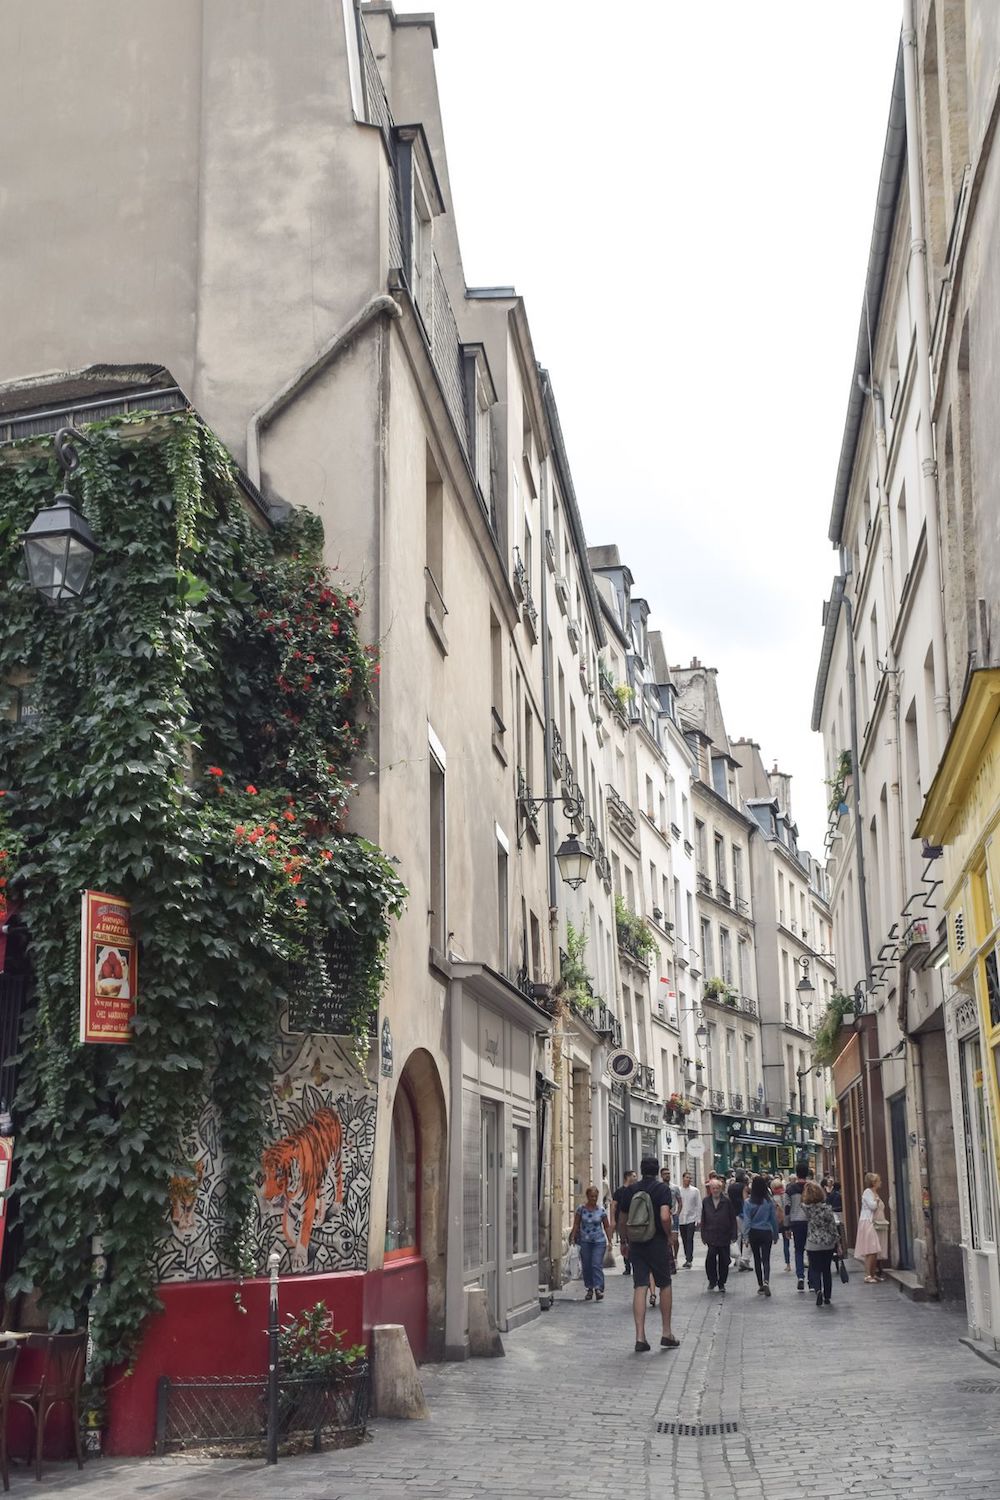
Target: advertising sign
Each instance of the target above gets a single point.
(108, 969)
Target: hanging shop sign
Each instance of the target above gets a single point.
(108, 969)
(623, 1065)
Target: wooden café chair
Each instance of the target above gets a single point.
(8, 1359)
(61, 1379)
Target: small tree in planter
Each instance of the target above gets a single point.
(718, 989)
(323, 1382)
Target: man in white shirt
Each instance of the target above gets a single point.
(690, 1215)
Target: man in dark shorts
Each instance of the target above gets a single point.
(618, 1219)
(651, 1257)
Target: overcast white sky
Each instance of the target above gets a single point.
(683, 193)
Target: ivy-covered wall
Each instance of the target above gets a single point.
(195, 729)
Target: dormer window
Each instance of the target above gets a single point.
(480, 398)
(421, 202)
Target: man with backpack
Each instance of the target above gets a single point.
(796, 1221)
(647, 1210)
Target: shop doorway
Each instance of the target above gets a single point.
(489, 1147)
(901, 1175)
(417, 1173)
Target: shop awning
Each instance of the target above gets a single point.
(762, 1140)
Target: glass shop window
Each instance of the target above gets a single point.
(401, 1207)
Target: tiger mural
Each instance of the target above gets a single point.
(182, 1192)
(295, 1170)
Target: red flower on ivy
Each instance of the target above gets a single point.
(289, 816)
(326, 853)
(215, 771)
(251, 791)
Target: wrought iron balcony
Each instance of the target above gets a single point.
(736, 1103)
(519, 577)
(716, 1101)
(619, 811)
(558, 753)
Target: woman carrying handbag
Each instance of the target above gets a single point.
(868, 1245)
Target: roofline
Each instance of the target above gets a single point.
(570, 505)
(830, 622)
(889, 184)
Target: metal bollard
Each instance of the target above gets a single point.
(272, 1361)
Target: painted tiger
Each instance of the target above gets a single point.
(295, 1171)
(183, 1196)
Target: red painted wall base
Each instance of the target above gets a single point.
(201, 1331)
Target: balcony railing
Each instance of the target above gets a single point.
(558, 753)
(607, 1023)
(716, 1100)
(736, 1104)
(619, 811)
(645, 1079)
(519, 578)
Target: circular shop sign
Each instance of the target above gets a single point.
(623, 1066)
(696, 1147)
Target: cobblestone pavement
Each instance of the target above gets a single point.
(862, 1399)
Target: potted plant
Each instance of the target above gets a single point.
(324, 1383)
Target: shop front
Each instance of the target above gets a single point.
(860, 1113)
(759, 1145)
(960, 822)
(492, 1178)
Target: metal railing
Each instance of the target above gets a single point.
(619, 810)
(231, 1412)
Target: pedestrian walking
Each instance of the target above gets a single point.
(868, 1245)
(718, 1230)
(675, 1209)
(737, 1190)
(690, 1213)
(646, 1208)
(592, 1232)
(618, 1223)
(795, 1218)
(778, 1190)
(822, 1236)
(761, 1219)
(605, 1188)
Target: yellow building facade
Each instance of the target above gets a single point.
(961, 816)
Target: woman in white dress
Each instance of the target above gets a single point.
(867, 1245)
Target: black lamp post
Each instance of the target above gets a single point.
(59, 546)
(574, 859)
(574, 855)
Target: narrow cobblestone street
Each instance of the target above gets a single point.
(572, 1410)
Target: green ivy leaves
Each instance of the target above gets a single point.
(202, 643)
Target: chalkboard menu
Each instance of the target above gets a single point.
(322, 989)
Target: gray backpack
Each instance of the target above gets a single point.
(641, 1218)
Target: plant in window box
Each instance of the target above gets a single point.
(718, 989)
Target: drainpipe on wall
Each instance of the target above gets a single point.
(840, 587)
(891, 666)
(928, 464)
(547, 1156)
(916, 1092)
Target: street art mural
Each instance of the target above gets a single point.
(312, 1203)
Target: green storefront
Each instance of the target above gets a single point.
(753, 1144)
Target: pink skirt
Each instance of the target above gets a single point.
(867, 1242)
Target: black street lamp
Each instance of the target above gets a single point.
(574, 855)
(574, 859)
(801, 1073)
(59, 546)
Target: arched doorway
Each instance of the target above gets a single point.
(416, 1191)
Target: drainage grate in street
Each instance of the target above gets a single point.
(979, 1387)
(697, 1429)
